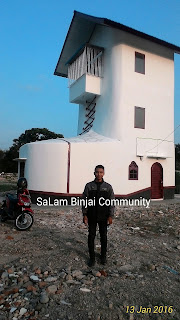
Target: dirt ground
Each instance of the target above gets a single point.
(140, 281)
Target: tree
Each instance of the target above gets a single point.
(35, 134)
(31, 135)
(177, 156)
(2, 154)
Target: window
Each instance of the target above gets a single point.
(139, 62)
(139, 118)
(133, 171)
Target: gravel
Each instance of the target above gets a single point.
(44, 272)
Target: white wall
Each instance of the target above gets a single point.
(123, 89)
(46, 165)
(84, 158)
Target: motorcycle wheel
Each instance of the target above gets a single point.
(24, 221)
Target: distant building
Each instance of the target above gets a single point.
(123, 81)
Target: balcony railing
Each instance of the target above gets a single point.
(90, 61)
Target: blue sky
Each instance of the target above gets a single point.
(32, 34)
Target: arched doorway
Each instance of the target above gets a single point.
(156, 181)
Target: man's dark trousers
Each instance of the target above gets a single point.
(92, 235)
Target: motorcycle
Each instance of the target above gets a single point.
(19, 210)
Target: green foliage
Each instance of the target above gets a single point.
(177, 156)
(2, 153)
(35, 134)
(177, 182)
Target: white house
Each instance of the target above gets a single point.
(123, 82)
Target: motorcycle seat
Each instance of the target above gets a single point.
(12, 197)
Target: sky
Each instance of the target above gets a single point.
(32, 33)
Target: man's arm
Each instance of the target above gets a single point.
(84, 208)
(111, 207)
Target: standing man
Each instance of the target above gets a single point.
(98, 191)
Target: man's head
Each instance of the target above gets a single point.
(99, 172)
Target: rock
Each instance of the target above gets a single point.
(17, 303)
(103, 273)
(126, 268)
(9, 238)
(34, 278)
(13, 309)
(69, 277)
(22, 311)
(94, 272)
(44, 298)
(135, 229)
(10, 270)
(59, 291)
(13, 275)
(42, 284)
(66, 303)
(25, 278)
(151, 267)
(4, 276)
(98, 274)
(15, 295)
(62, 275)
(73, 282)
(76, 273)
(52, 289)
(68, 243)
(15, 289)
(110, 305)
(31, 288)
(90, 314)
(51, 279)
(85, 289)
(38, 271)
(178, 247)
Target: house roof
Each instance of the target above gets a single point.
(80, 31)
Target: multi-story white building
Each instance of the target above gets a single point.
(123, 82)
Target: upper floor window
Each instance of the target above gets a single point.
(133, 171)
(139, 118)
(139, 62)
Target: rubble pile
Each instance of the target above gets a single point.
(44, 272)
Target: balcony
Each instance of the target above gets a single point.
(85, 72)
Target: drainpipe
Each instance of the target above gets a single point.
(68, 164)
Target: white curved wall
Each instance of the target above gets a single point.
(46, 165)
